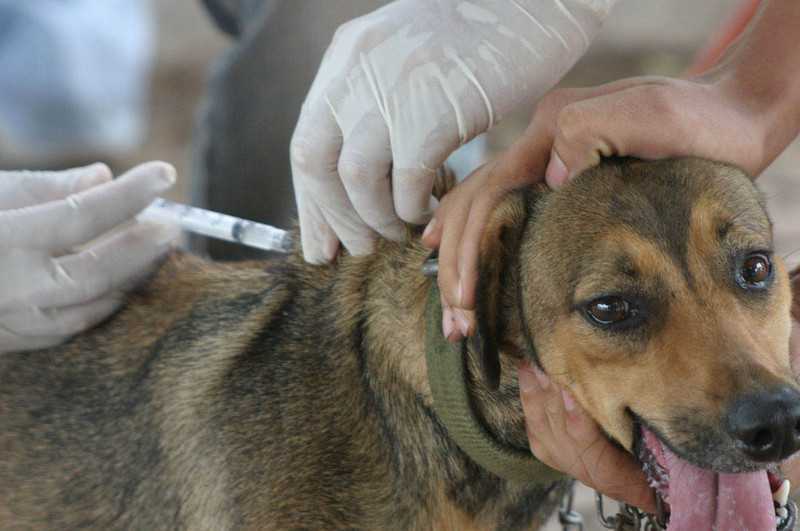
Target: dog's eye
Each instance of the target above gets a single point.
(609, 310)
(755, 271)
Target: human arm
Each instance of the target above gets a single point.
(54, 285)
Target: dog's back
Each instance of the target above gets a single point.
(109, 431)
(240, 397)
(177, 413)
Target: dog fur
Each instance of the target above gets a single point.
(281, 395)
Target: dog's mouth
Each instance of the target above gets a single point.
(698, 498)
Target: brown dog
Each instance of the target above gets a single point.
(287, 396)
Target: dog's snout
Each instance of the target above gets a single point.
(766, 425)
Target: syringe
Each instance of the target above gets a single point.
(220, 226)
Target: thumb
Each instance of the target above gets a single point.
(578, 142)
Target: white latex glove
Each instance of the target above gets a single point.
(400, 88)
(49, 288)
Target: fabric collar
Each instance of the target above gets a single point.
(447, 376)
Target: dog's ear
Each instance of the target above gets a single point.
(497, 261)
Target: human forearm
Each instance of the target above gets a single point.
(761, 75)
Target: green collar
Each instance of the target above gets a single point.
(451, 402)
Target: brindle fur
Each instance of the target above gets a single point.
(281, 395)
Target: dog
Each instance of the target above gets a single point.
(280, 395)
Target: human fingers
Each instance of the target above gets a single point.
(564, 437)
(522, 164)
(37, 328)
(652, 120)
(458, 225)
(86, 215)
(414, 170)
(365, 169)
(456, 212)
(113, 264)
(20, 189)
(326, 213)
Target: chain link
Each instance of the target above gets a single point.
(630, 518)
(570, 519)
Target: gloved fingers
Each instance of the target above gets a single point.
(114, 263)
(81, 217)
(37, 328)
(322, 201)
(320, 243)
(314, 154)
(356, 236)
(412, 187)
(365, 167)
(20, 189)
(11, 342)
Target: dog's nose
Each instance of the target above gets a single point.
(766, 424)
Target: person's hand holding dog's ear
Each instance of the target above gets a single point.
(52, 284)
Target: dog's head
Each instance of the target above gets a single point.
(651, 290)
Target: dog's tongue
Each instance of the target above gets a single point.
(702, 499)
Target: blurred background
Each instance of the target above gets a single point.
(215, 87)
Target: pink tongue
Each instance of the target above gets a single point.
(704, 500)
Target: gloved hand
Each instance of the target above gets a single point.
(400, 88)
(50, 289)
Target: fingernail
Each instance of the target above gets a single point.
(99, 170)
(447, 323)
(544, 381)
(460, 291)
(170, 175)
(429, 228)
(556, 173)
(527, 379)
(92, 175)
(569, 401)
(329, 248)
(461, 321)
(165, 173)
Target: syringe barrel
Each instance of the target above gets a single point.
(220, 226)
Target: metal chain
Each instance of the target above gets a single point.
(630, 518)
(569, 518)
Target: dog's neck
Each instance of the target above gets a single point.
(396, 299)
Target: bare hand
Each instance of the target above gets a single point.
(564, 437)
